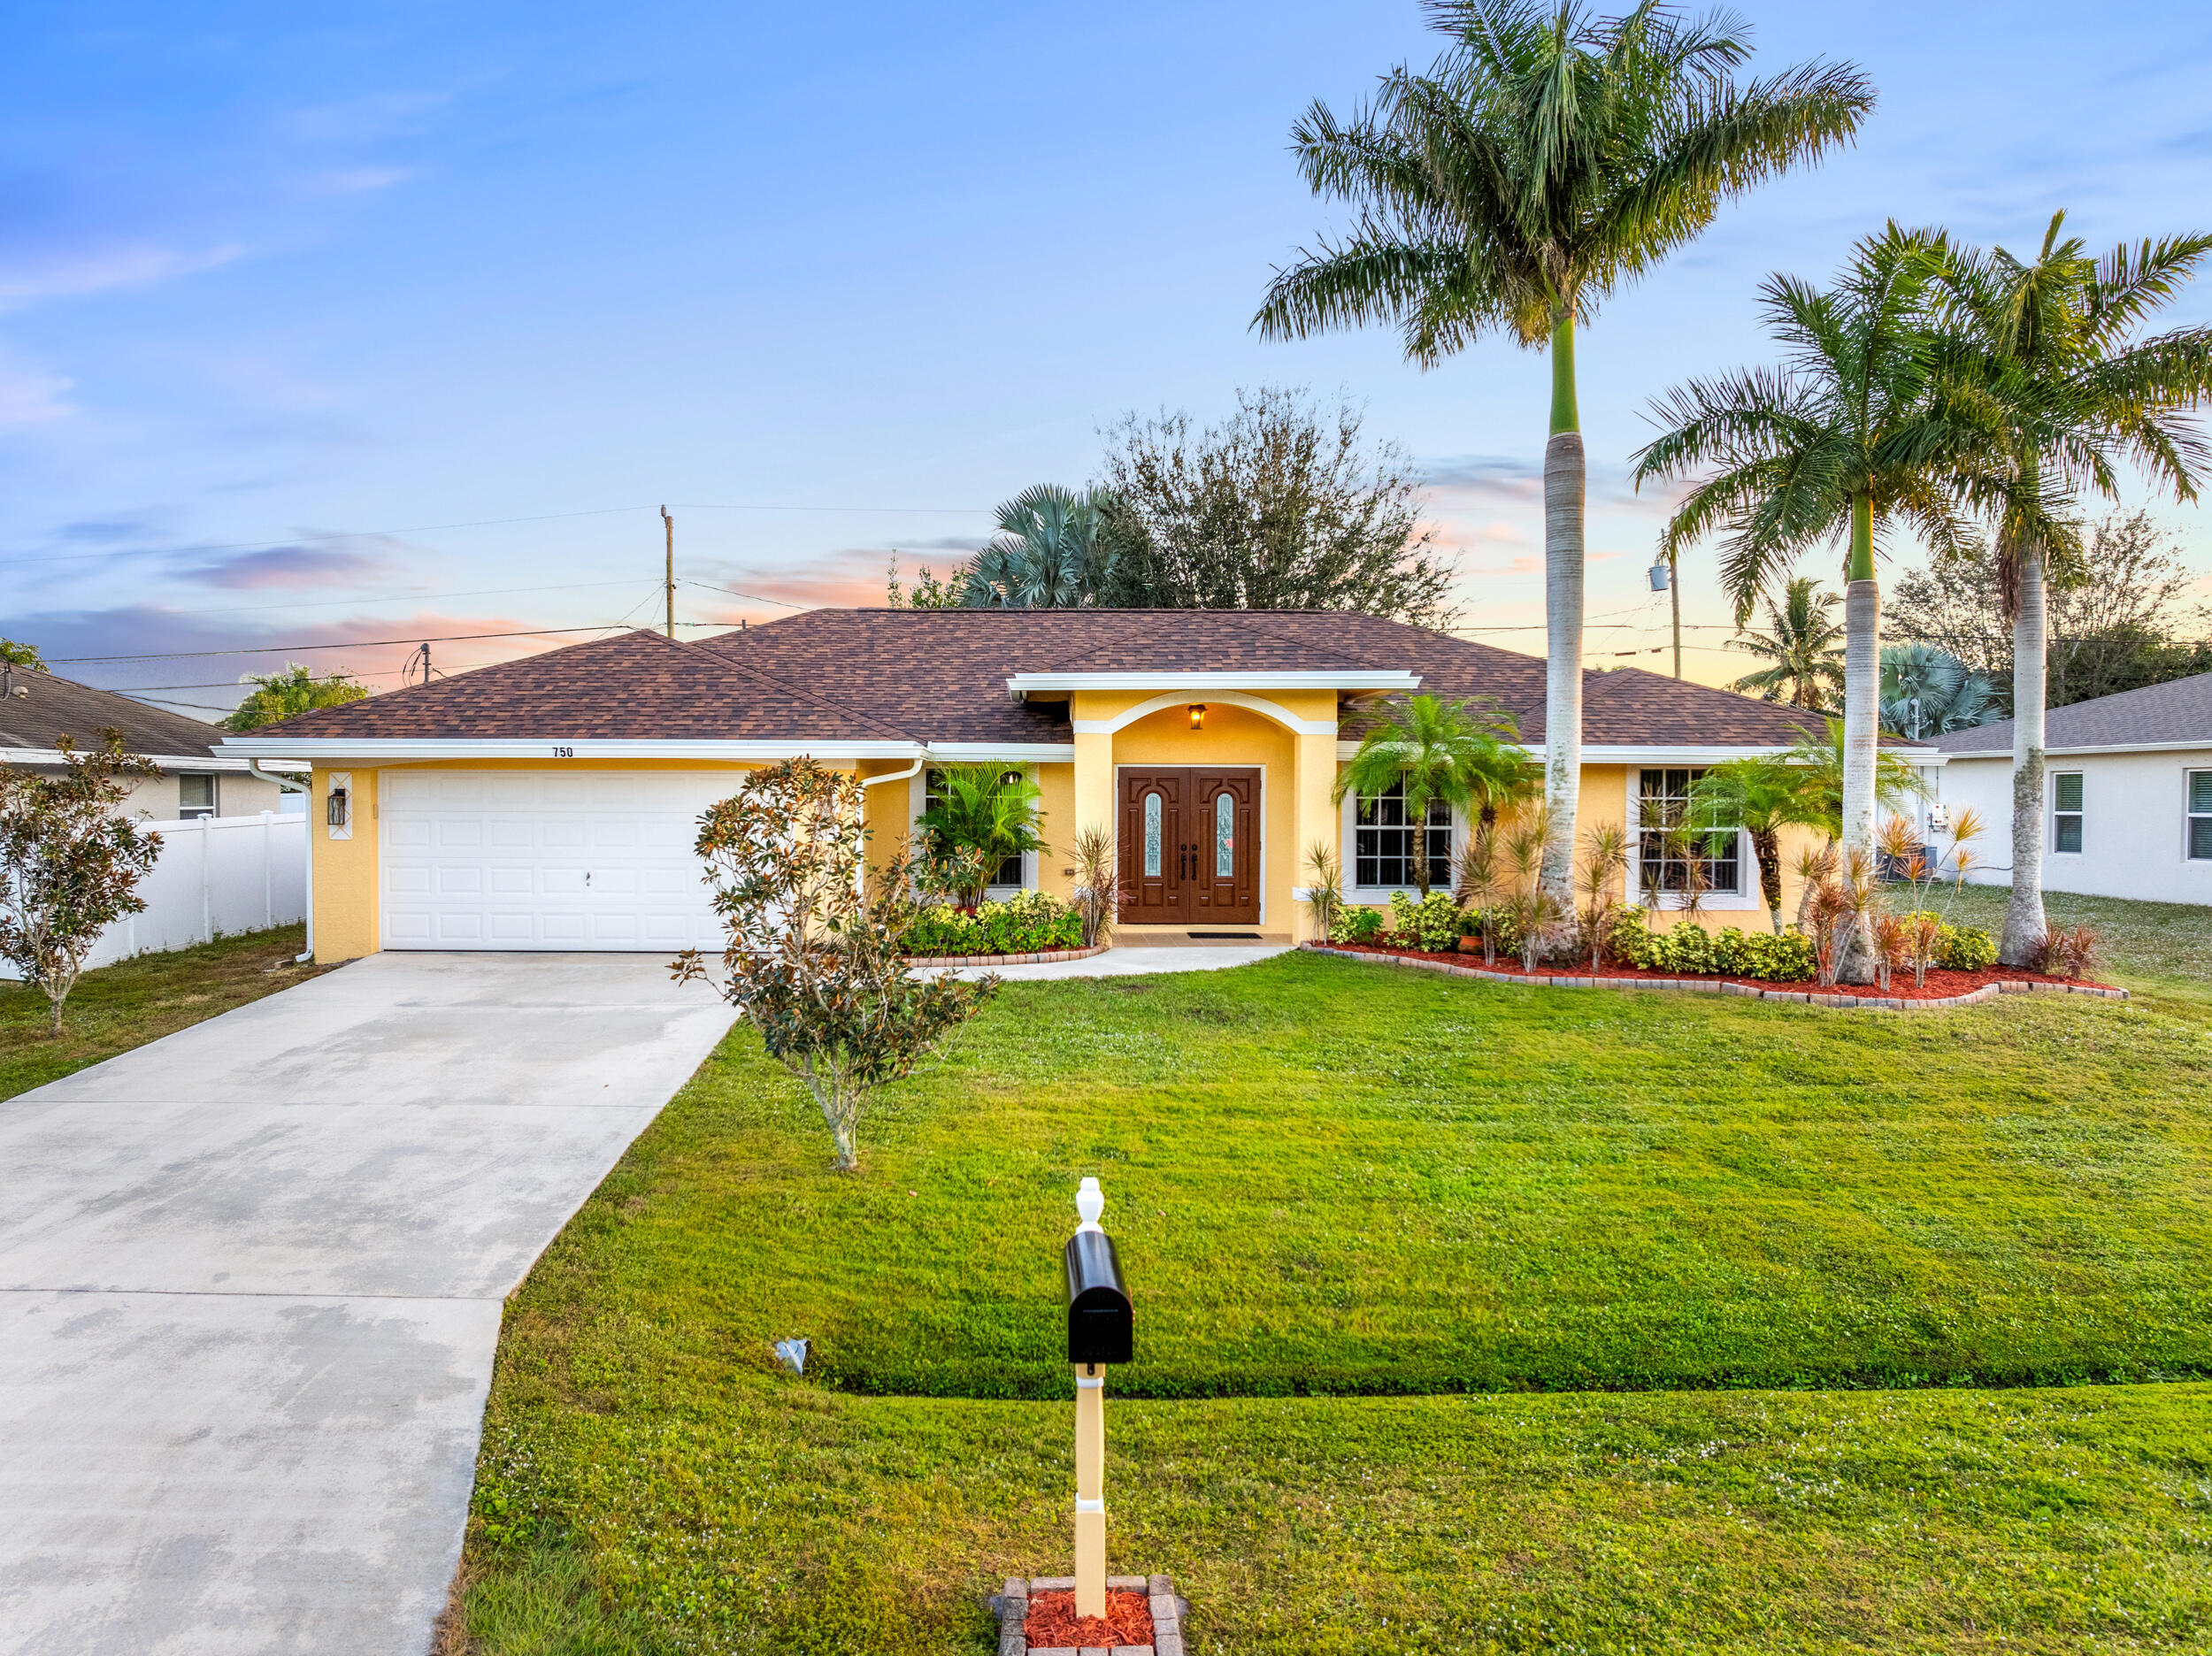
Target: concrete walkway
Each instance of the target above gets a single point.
(1140, 958)
(250, 1282)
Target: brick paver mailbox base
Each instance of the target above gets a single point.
(1167, 1613)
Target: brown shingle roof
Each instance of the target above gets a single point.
(62, 707)
(940, 675)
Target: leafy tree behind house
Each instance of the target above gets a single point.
(1548, 159)
(2118, 620)
(1802, 648)
(278, 696)
(1279, 507)
(814, 958)
(15, 654)
(70, 861)
(1928, 692)
(1051, 552)
(928, 592)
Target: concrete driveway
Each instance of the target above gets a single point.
(250, 1282)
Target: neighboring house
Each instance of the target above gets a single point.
(550, 803)
(2127, 793)
(37, 708)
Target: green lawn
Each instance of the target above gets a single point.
(1327, 1177)
(116, 1008)
(2161, 949)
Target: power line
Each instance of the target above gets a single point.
(286, 650)
(393, 597)
(732, 591)
(474, 523)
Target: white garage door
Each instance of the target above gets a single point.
(546, 858)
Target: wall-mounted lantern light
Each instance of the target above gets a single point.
(336, 808)
(1198, 716)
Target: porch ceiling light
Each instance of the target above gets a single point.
(1198, 716)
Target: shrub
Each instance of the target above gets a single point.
(1357, 925)
(1965, 948)
(1764, 957)
(814, 955)
(1499, 926)
(1687, 947)
(1030, 922)
(1432, 924)
(2069, 951)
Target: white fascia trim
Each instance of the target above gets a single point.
(1689, 754)
(2088, 752)
(1012, 753)
(365, 751)
(167, 761)
(1377, 680)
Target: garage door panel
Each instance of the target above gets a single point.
(546, 860)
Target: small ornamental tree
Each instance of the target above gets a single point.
(69, 863)
(813, 959)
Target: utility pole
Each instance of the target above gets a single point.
(670, 577)
(1674, 591)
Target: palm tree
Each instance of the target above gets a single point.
(1926, 691)
(1762, 796)
(1824, 776)
(1445, 753)
(1048, 553)
(986, 811)
(1800, 648)
(1546, 159)
(1849, 437)
(2053, 345)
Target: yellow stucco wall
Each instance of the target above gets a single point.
(1299, 770)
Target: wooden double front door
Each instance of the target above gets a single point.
(1190, 846)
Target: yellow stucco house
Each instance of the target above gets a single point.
(550, 803)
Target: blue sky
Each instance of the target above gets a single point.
(298, 304)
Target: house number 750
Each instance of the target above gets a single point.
(564, 753)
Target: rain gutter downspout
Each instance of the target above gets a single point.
(921, 758)
(293, 785)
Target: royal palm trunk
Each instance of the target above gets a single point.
(1861, 709)
(2024, 922)
(1563, 486)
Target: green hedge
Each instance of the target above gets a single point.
(1030, 923)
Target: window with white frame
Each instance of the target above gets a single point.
(2066, 811)
(195, 795)
(1009, 872)
(1663, 851)
(1386, 843)
(2200, 823)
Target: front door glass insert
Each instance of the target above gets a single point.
(1152, 836)
(1224, 836)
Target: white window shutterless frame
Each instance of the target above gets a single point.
(2067, 813)
(2197, 826)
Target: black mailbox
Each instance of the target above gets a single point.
(1100, 1329)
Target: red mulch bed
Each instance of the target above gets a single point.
(1941, 984)
(1053, 1623)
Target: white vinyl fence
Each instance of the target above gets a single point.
(216, 876)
